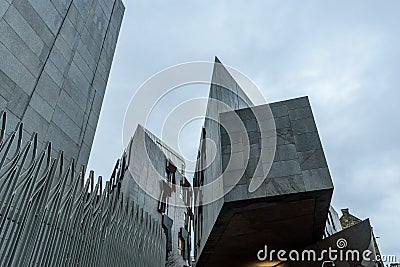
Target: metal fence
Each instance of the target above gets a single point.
(50, 217)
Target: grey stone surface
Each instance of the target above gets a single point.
(97, 103)
(238, 192)
(261, 191)
(41, 106)
(300, 113)
(18, 48)
(285, 185)
(35, 21)
(15, 70)
(286, 152)
(40, 126)
(284, 136)
(93, 119)
(89, 136)
(99, 83)
(297, 103)
(302, 126)
(284, 168)
(48, 89)
(25, 31)
(61, 141)
(267, 125)
(255, 150)
(63, 47)
(75, 17)
(69, 33)
(279, 110)
(254, 137)
(70, 108)
(83, 151)
(317, 179)
(251, 125)
(3, 103)
(51, 70)
(12, 121)
(3, 7)
(251, 168)
(83, 8)
(307, 141)
(18, 102)
(48, 13)
(7, 85)
(84, 52)
(76, 95)
(83, 66)
(61, 5)
(59, 61)
(282, 123)
(298, 147)
(313, 159)
(49, 51)
(79, 79)
(236, 161)
(66, 124)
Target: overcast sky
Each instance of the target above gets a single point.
(344, 55)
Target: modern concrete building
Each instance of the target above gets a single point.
(55, 62)
(299, 179)
(279, 149)
(152, 180)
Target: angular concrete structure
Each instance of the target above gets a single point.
(276, 182)
(55, 61)
(292, 201)
(150, 179)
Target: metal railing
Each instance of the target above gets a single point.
(50, 217)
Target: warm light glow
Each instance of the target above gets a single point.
(264, 264)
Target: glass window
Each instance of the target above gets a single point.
(181, 245)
